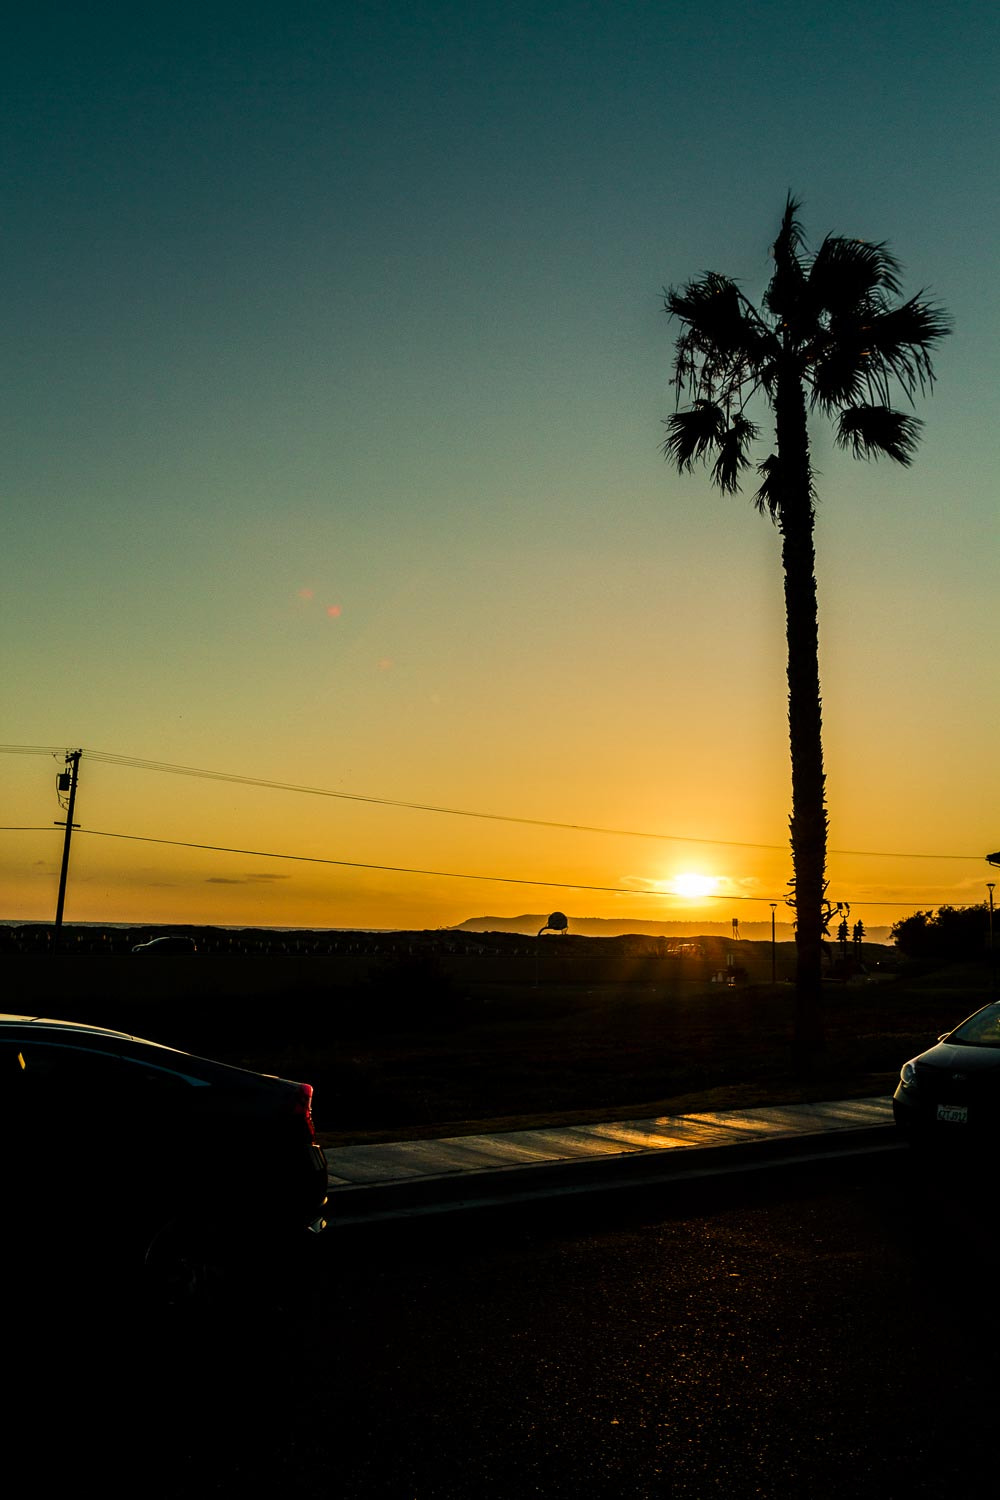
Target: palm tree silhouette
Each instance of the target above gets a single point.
(831, 335)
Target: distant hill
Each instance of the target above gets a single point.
(617, 927)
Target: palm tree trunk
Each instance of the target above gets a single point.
(805, 722)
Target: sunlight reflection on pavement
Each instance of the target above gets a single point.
(671, 1140)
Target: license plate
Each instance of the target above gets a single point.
(953, 1114)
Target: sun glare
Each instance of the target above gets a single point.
(691, 885)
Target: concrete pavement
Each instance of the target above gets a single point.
(402, 1178)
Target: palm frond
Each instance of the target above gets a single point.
(878, 431)
(899, 341)
(705, 429)
(694, 434)
(838, 370)
(768, 498)
(791, 239)
(784, 292)
(710, 307)
(724, 339)
(846, 275)
(733, 459)
(865, 351)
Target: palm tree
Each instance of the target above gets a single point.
(831, 335)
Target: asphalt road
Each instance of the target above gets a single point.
(828, 1330)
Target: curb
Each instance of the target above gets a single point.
(502, 1186)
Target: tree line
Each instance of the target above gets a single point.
(951, 932)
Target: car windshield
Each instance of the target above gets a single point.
(980, 1030)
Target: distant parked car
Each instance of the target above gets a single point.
(174, 943)
(124, 1155)
(951, 1092)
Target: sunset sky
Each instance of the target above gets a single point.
(335, 368)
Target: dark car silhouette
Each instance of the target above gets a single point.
(950, 1094)
(136, 1160)
(174, 942)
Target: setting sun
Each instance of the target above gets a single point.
(692, 885)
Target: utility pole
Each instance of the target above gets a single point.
(66, 782)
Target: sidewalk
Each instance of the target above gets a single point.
(402, 1178)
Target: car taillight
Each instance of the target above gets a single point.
(303, 1106)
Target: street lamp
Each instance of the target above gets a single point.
(991, 886)
(773, 904)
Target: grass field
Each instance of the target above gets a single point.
(566, 1056)
(428, 1045)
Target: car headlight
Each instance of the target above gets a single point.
(908, 1075)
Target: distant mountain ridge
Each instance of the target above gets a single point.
(618, 927)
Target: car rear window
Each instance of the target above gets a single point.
(85, 1068)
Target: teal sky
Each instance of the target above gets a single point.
(357, 308)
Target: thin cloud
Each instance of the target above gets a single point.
(726, 887)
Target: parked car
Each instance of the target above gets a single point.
(174, 942)
(951, 1093)
(126, 1156)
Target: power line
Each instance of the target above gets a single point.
(32, 750)
(106, 757)
(353, 864)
